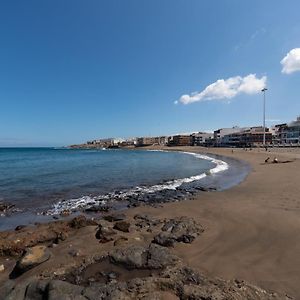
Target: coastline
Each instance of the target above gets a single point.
(226, 172)
(250, 230)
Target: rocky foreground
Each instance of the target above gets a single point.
(112, 258)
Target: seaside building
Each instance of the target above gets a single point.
(249, 137)
(148, 141)
(180, 140)
(107, 142)
(128, 142)
(219, 134)
(161, 140)
(288, 133)
(202, 138)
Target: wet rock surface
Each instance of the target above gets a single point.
(7, 209)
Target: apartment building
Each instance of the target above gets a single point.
(288, 133)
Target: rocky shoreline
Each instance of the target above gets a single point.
(93, 205)
(116, 257)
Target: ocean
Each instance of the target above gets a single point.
(50, 181)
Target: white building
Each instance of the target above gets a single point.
(288, 133)
(202, 138)
(221, 135)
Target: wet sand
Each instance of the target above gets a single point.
(251, 230)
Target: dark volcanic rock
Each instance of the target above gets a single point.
(97, 208)
(104, 233)
(145, 221)
(137, 257)
(58, 289)
(173, 283)
(36, 289)
(81, 221)
(115, 217)
(4, 207)
(165, 239)
(180, 229)
(61, 236)
(122, 226)
(134, 257)
(20, 227)
(160, 257)
(33, 257)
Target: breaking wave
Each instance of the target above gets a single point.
(86, 202)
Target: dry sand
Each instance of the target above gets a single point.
(252, 231)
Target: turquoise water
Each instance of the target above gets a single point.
(36, 178)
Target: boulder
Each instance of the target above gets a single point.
(138, 257)
(36, 289)
(115, 217)
(104, 233)
(62, 290)
(145, 221)
(122, 226)
(33, 257)
(133, 257)
(20, 227)
(165, 239)
(4, 207)
(112, 291)
(120, 241)
(173, 283)
(180, 230)
(160, 257)
(61, 236)
(81, 221)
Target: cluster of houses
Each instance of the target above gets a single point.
(286, 134)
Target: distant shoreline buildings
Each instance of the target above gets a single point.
(285, 134)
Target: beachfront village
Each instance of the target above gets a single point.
(280, 135)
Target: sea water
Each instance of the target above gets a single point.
(39, 178)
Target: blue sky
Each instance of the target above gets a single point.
(76, 70)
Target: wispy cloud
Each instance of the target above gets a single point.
(225, 89)
(291, 62)
(259, 32)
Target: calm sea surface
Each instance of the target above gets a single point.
(35, 178)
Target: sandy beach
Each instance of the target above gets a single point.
(251, 231)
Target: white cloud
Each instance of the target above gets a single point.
(291, 62)
(226, 89)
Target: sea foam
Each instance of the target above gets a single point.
(86, 202)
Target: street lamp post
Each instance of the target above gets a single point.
(264, 115)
